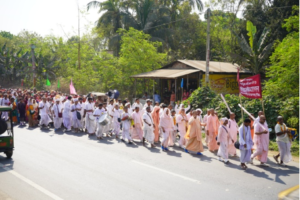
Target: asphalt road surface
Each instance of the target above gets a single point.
(48, 165)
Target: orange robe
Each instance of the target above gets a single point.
(194, 136)
(212, 126)
(155, 117)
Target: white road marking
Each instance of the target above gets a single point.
(26, 180)
(167, 172)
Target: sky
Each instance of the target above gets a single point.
(45, 17)
(48, 17)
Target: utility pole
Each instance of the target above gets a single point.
(33, 63)
(208, 13)
(78, 35)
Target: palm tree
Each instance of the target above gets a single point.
(113, 13)
(256, 52)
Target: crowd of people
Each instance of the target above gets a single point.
(152, 123)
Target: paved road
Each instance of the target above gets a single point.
(73, 166)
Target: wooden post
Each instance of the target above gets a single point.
(175, 89)
(187, 83)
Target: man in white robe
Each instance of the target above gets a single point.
(82, 105)
(67, 114)
(5, 102)
(98, 113)
(147, 104)
(110, 107)
(126, 124)
(76, 107)
(178, 107)
(223, 140)
(205, 122)
(283, 142)
(138, 104)
(246, 142)
(233, 130)
(182, 120)
(89, 121)
(45, 119)
(148, 127)
(56, 109)
(116, 120)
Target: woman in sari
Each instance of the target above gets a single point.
(36, 112)
(166, 124)
(14, 110)
(155, 117)
(30, 112)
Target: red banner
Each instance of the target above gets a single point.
(250, 87)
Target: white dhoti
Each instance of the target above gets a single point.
(285, 151)
(116, 128)
(223, 150)
(67, 123)
(245, 155)
(99, 130)
(77, 123)
(45, 120)
(90, 125)
(182, 141)
(110, 124)
(126, 134)
(149, 135)
(57, 122)
(166, 138)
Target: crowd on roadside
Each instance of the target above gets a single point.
(153, 123)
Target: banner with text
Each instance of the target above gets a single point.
(250, 87)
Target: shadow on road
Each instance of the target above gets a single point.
(8, 163)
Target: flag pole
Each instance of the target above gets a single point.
(241, 105)
(263, 107)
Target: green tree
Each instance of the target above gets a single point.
(284, 71)
(138, 54)
(256, 53)
(6, 34)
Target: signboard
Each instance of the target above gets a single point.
(250, 87)
(224, 83)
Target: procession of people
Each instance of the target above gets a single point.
(161, 125)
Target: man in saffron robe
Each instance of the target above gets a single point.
(155, 117)
(194, 135)
(212, 130)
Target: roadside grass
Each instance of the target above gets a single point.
(294, 148)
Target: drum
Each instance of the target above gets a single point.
(91, 117)
(104, 119)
